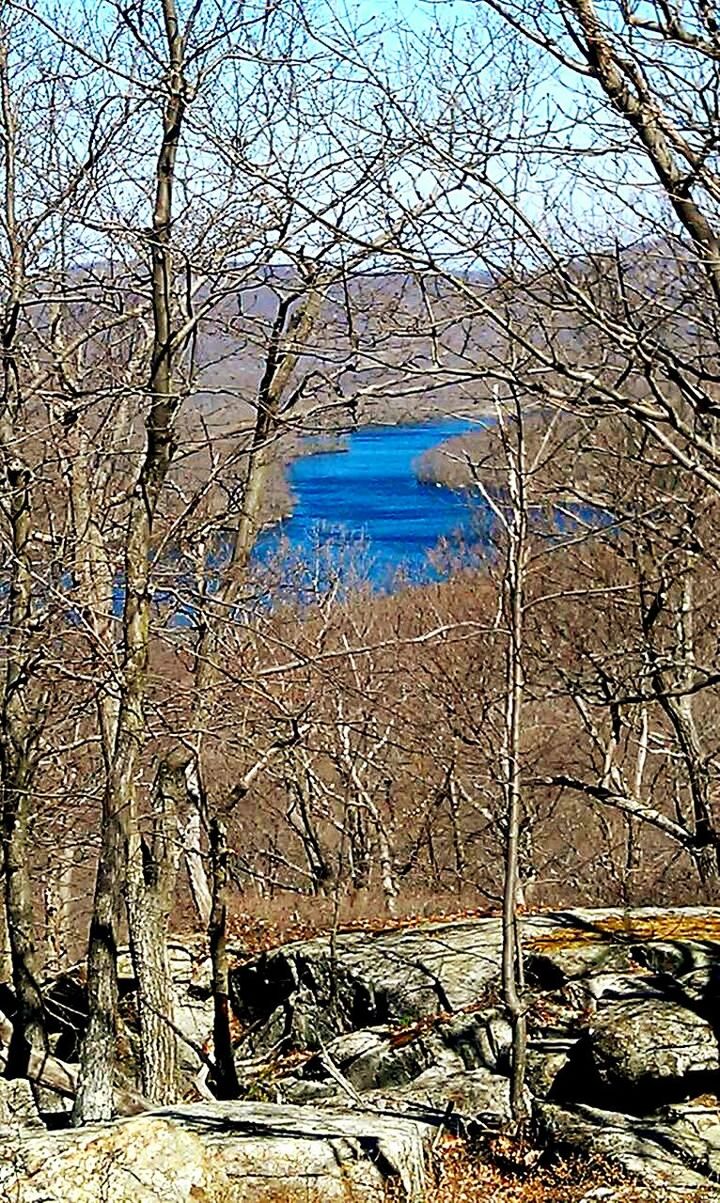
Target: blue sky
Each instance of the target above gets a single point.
(550, 182)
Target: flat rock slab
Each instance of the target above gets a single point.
(222, 1153)
(679, 1150)
(586, 943)
(306, 993)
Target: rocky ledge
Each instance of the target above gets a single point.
(220, 1153)
(623, 1013)
(358, 1052)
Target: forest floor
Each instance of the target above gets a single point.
(464, 1177)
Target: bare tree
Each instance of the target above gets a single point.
(174, 309)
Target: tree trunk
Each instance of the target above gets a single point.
(5, 957)
(152, 874)
(194, 860)
(94, 1098)
(457, 836)
(148, 948)
(19, 717)
(17, 738)
(515, 568)
(120, 824)
(29, 1019)
(226, 1082)
(290, 330)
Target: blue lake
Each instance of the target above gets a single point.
(363, 509)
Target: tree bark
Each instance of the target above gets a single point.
(194, 860)
(152, 873)
(20, 714)
(226, 1081)
(515, 568)
(94, 1098)
(121, 845)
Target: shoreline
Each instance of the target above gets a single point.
(373, 504)
(446, 464)
(336, 441)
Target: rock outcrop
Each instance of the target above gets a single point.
(222, 1153)
(623, 1021)
(652, 1043)
(356, 1052)
(304, 994)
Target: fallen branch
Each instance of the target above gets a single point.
(46, 1070)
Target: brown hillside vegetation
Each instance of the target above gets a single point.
(465, 1178)
(398, 744)
(226, 228)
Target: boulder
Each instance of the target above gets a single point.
(304, 994)
(481, 1039)
(679, 1150)
(375, 1058)
(352, 1048)
(544, 1069)
(18, 1108)
(700, 988)
(564, 946)
(223, 1153)
(677, 958)
(480, 1099)
(304, 1090)
(307, 993)
(354, 1052)
(383, 1058)
(553, 967)
(648, 1043)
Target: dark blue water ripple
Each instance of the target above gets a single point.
(363, 510)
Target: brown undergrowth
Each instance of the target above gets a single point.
(277, 922)
(461, 1175)
(464, 1176)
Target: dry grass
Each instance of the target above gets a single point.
(629, 927)
(463, 1177)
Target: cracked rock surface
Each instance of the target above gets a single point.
(354, 1052)
(623, 1022)
(221, 1153)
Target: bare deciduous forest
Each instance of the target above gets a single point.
(227, 228)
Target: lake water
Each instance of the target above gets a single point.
(364, 510)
